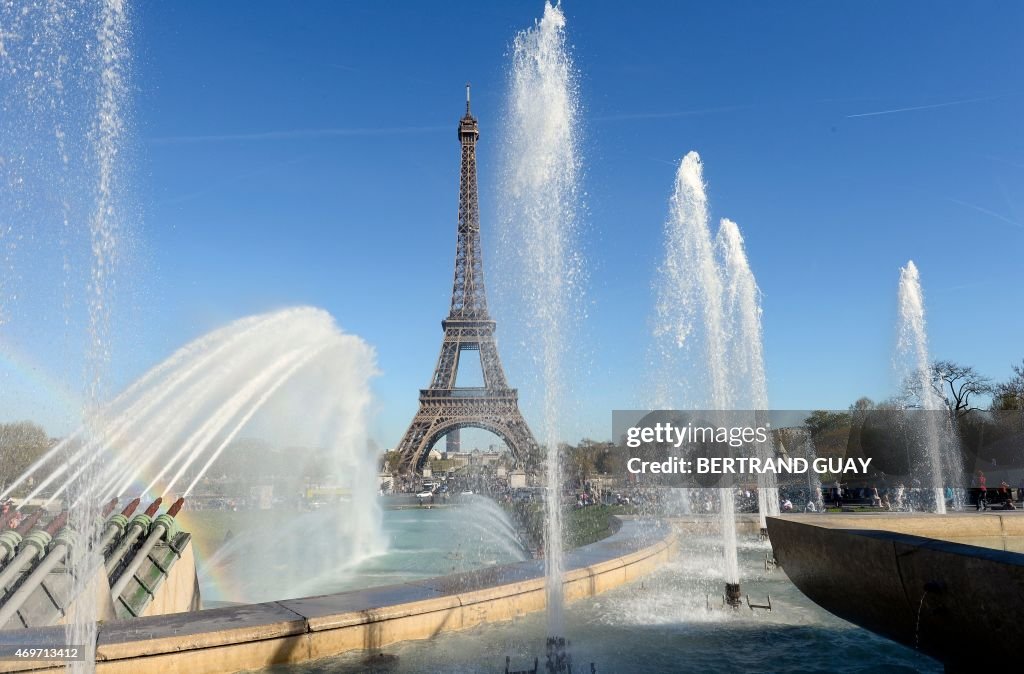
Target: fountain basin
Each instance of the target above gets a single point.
(254, 636)
(922, 580)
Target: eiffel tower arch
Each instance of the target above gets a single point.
(445, 409)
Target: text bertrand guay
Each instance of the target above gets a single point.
(747, 465)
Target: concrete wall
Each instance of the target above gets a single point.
(904, 578)
(704, 524)
(288, 631)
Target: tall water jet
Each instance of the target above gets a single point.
(64, 70)
(540, 219)
(914, 368)
(107, 139)
(813, 479)
(743, 306)
(690, 309)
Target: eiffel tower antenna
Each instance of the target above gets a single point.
(444, 408)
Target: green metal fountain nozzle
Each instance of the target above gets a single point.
(167, 520)
(120, 520)
(145, 520)
(40, 540)
(10, 539)
(9, 542)
(69, 538)
(142, 521)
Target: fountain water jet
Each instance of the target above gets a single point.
(747, 353)
(913, 364)
(540, 202)
(690, 296)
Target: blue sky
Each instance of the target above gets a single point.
(305, 153)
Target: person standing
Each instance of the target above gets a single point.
(982, 492)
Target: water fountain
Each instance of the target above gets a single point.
(914, 367)
(164, 433)
(690, 309)
(540, 220)
(813, 479)
(749, 382)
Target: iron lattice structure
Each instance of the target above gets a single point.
(445, 408)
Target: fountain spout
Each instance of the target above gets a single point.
(163, 527)
(11, 538)
(139, 526)
(117, 524)
(34, 546)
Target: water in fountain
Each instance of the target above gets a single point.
(469, 533)
(746, 359)
(540, 205)
(661, 624)
(943, 465)
(690, 309)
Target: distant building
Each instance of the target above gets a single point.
(262, 496)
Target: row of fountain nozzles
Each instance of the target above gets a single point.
(12, 539)
(27, 543)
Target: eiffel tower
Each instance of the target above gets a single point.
(445, 409)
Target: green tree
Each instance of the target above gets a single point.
(1009, 395)
(21, 443)
(821, 422)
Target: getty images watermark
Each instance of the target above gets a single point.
(715, 448)
(690, 435)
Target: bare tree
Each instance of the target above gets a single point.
(956, 384)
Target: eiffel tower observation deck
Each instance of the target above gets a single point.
(445, 408)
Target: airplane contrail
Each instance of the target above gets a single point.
(930, 106)
(982, 209)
